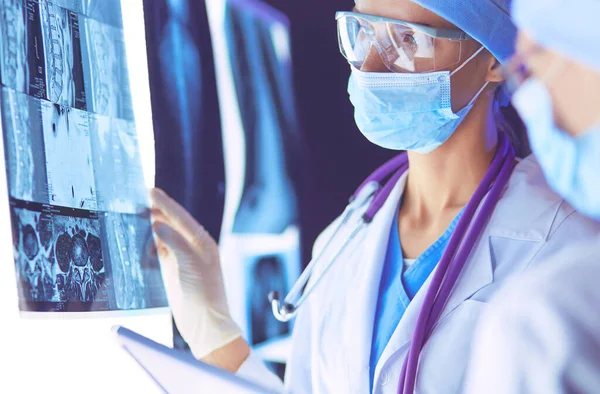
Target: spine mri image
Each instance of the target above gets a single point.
(82, 238)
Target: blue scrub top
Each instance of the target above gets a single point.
(397, 288)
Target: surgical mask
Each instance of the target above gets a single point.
(407, 111)
(571, 164)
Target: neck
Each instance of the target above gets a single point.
(446, 178)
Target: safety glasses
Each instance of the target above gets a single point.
(402, 46)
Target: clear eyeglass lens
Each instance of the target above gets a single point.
(402, 48)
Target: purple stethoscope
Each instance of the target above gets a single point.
(372, 194)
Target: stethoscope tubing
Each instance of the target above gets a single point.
(370, 189)
(450, 265)
(455, 257)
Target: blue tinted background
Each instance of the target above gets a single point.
(326, 162)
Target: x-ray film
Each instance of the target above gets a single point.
(23, 142)
(64, 69)
(134, 268)
(68, 156)
(105, 69)
(105, 11)
(82, 238)
(13, 28)
(23, 56)
(117, 165)
(41, 51)
(60, 263)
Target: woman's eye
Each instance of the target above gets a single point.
(410, 42)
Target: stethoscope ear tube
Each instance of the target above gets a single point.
(286, 310)
(290, 306)
(456, 255)
(382, 196)
(382, 173)
(370, 189)
(283, 313)
(372, 194)
(362, 196)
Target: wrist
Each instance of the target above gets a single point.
(208, 331)
(229, 357)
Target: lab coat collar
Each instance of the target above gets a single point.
(536, 210)
(364, 298)
(536, 213)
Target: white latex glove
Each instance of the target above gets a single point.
(191, 270)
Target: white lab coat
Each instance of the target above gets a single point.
(541, 333)
(333, 331)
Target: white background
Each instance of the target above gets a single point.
(78, 355)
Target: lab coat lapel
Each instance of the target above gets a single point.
(362, 298)
(502, 235)
(504, 243)
(473, 278)
(477, 273)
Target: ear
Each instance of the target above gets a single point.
(494, 73)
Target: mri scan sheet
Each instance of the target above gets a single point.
(81, 232)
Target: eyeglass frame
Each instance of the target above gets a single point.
(449, 34)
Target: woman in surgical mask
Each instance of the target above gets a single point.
(541, 334)
(425, 78)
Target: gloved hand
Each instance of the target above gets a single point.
(191, 269)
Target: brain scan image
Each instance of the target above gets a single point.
(68, 156)
(23, 142)
(59, 261)
(80, 260)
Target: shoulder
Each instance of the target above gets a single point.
(530, 209)
(541, 330)
(573, 271)
(528, 186)
(568, 242)
(567, 258)
(552, 304)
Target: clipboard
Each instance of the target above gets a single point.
(178, 372)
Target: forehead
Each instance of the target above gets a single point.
(404, 10)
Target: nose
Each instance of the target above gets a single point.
(373, 62)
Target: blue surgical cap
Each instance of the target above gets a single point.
(487, 21)
(569, 27)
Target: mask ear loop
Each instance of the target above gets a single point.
(473, 56)
(485, 85)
